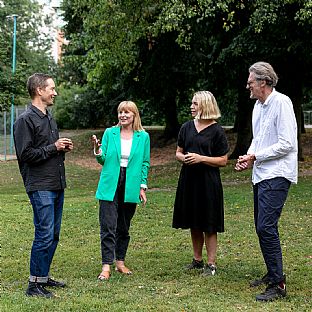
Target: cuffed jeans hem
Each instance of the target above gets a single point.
(38, 279)
(108, 262)
(112, 262)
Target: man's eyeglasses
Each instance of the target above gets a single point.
(249, 83)
(268, 82)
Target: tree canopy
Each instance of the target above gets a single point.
(32, 48)
(162, 51)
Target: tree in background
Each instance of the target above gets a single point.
(161, 51)
(112, 45)
(275, 31)
(32, 49)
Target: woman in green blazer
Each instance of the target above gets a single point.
(125, 157)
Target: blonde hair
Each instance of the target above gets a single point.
(130, 106)
(207, 105)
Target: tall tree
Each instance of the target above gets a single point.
(276, 31)
(120, 48)
(32, 48)
(164, 50)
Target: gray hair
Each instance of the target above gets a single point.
(264, 71)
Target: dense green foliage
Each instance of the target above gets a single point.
(32, 49)
(159, 52)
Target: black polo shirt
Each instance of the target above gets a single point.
(40, 164)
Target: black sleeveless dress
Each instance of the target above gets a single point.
(199, 196)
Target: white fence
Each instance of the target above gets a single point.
(307, 115)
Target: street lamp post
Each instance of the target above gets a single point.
(14, 16)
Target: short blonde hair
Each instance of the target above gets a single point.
(131, 106)
(207, 105)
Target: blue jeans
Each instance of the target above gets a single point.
(269, 198)
(47, 207)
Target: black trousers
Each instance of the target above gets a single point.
(115, 217)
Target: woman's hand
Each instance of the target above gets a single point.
(192, 158)
(96, 143)
(143, 198)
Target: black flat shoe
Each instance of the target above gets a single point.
(261, 281)
(37, 289)
(272, 292)
(52, 283)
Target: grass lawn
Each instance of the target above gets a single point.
(157, 253)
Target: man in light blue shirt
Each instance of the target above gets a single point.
(272, 156)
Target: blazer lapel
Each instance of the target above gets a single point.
(116, 137)
(135, 142)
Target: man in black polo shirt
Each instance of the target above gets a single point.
(40, 154)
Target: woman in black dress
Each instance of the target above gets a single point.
(202, 148)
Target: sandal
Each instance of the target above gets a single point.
(123, 269)
(104, 276)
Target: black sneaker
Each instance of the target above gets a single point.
(262, 281)
(36, 289)
(209, 269)
(196, 264)
(52, 283)
(272, 292)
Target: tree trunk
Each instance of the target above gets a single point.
(244, 131)
(303, 130)
(243, 124)
(294, 89)
(300, 122)
(171, 117)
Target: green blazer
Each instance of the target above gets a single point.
(137, 169)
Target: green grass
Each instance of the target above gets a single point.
(157, 253)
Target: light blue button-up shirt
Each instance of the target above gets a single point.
(274, 140)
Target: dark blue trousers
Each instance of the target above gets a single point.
(269, 198)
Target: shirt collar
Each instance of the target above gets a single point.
(39, 112)
(266, 102)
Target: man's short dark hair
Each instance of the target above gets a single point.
(37, 80)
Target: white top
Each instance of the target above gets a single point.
(125, 152)
(274, 140)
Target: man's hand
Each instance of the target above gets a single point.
(245, 162)
(64, 144)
